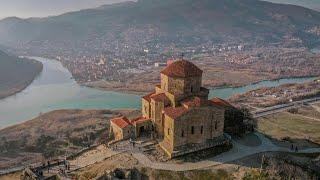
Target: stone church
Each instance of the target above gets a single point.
(178, 113)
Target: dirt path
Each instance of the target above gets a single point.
(98, 154)
(238, 151)
(317, 108)
(307, 117)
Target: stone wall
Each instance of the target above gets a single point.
(147, 126)
(169, 133)
(156, 112)
(192, 85)
(121, 134)
(164, 82)
(181, 86)
(197, 126)
(145, 108)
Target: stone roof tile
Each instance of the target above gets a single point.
(148, 96)
(221, 102)
(121, 122)
(182, 69)
(175, 112)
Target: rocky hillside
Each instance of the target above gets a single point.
(160, 23)
(55, 133)
(16, 74)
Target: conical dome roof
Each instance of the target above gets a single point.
(182, 69)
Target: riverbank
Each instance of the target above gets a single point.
(271, 96)
(55, 89)
(142, 89)
(22, 78)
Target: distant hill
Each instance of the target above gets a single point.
(152, 22)
(16, 74)
(311, 4)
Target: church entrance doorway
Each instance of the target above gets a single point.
(142, 130)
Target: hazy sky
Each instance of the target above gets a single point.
(41, 8)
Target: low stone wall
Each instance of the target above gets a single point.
(218, 142)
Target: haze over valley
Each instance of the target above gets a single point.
(16, 74)
(117, 43)
(160, 89)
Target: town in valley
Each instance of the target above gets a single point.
(161, 89)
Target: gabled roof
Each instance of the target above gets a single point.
(121, 122)
(221, 102)
(182, 69)
(175, 112)
(148, 96)
(194, 102)
(160, 98)
(140, 120)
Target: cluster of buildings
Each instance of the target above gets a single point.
(265, 97)
(94, 68)
(178, 113)
(87, 66)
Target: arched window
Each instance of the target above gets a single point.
(191, 89)
(216, 125)
(201, 129)
(192, 129)
(182, 133)
(168, 131)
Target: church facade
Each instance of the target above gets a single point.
(179, 113)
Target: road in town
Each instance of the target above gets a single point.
(283, 107)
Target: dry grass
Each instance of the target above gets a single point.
(53, 134)
(309, 111)
(285, 125)
(13, 176)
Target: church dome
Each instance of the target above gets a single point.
(182, 69)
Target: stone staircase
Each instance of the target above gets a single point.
(148, 145)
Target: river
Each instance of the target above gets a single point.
(55, 89)
(316, 50)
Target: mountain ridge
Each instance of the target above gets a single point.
(180, 22)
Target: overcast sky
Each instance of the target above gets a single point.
(41, 8)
